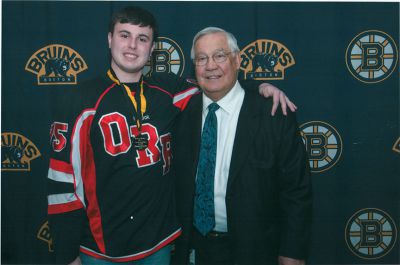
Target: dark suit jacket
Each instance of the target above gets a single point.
(268, 195)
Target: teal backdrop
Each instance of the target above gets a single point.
(337, 61)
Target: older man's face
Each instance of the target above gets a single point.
(216, 78)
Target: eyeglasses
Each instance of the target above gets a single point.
(218, 57)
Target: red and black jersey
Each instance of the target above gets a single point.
(114, 199)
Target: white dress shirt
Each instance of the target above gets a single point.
(227, 116)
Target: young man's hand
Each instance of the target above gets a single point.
(278, 96)
(77, 261)
(289, 261)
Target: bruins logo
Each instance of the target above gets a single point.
(265, 60)
(371, 56)
(56, 65)
(396, 146)
(370, 233)
(323, 145)
(17, 152)
(167, 57)
(44, 235)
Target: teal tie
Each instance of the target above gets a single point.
(204, 217)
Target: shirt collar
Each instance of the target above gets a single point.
(228, 103)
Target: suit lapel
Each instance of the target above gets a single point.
(246, 129)
(194, 119)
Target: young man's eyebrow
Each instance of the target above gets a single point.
(144, 35)
(140, 35)
(124, 31)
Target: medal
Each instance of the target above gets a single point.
(141, 142)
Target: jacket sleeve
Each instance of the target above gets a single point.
(295, 196)
(64, 193)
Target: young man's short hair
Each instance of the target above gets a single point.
(136, 16)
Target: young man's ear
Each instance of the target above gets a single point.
(109, 39)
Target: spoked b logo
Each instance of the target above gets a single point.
(167, 57)
(371, 56)
(370, 233)
(323, 144)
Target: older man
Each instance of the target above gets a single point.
(243, 183)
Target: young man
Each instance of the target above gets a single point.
(242, 176)
(111, 195)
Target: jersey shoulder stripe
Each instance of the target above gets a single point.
(181, 99)
(85, 172)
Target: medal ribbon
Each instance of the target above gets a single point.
(143, 103)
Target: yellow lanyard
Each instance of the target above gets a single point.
(143, 103)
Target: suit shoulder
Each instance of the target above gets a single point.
(259, 102)
(264, 106)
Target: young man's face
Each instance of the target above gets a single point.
(216, 79)
(131, 47)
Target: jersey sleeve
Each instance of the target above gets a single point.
(64, 195)
(181, 89)
(186, 89)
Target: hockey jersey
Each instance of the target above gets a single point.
(106, 197)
